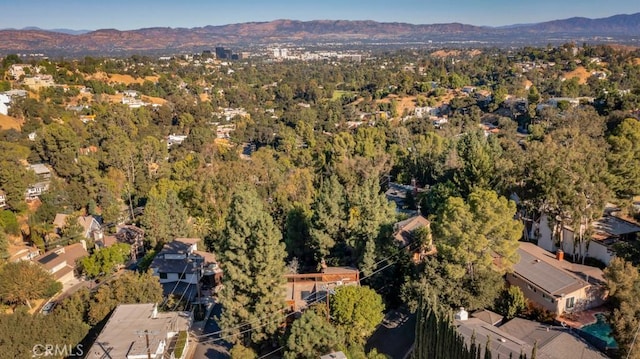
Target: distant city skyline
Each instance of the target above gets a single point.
(137, 14)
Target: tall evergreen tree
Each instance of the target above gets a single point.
(165, 217)
(328, 218)
(254, 264)
(368, 212)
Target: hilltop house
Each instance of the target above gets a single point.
(182, 269)
(136, 331)
(304, 289)
(43, 175)
(61, 262)
(554, 284)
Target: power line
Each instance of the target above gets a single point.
(175, 286)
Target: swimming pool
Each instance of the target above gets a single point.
(601, 330)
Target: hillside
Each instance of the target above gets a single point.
(111, 41)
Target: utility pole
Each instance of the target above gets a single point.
(146, 335)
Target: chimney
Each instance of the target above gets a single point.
(84, 244)
(559, 254)
(462, 314)
(154, 314)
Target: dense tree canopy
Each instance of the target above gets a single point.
(22, 282)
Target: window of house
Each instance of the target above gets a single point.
(163, 275)
(570, 302)
(182, 275)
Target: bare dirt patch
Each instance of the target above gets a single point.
(445, 53)
(404, 103)
(8, 122)
(123, 79)
(581, 73)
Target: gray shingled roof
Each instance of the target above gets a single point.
(554, 341)
(553, 279)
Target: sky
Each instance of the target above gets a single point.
(136, 14)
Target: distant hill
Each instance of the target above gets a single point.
(111, 41)
(63, 31)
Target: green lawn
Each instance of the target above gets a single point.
(337, 94)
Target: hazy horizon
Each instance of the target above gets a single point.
(128, 15)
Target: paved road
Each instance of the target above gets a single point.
(395, 335)
(208, 347)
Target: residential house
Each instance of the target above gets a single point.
(183, 269)
(87, 118)
(501, 344)
(557, 342)
(468, 89)
(520, 336)
(139, 331)
(43, 172)
(224, 131)
(4, 104)
(554, 284)
(16, 71)
(36, 190)
(404, 234)
(129, 234)
(38, 82)
(133, 102)
(43, 176)
(22, 253)
(85, 151)
(398, 193)
(426, 111)
(334, 355)
(606, 232)
(554, 102)
(3, 199)
(304, 289)
(488, 317)
(61, 262)
(174, 139)
(91, 228)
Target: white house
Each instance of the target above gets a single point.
(4, 104)
(35, 190)
(3, 199)
(607, 231)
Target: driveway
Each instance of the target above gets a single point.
(207, 346)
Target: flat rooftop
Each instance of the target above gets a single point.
(124, 333)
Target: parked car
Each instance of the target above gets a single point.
(47, 308)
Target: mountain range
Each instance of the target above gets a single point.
(619, 28)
